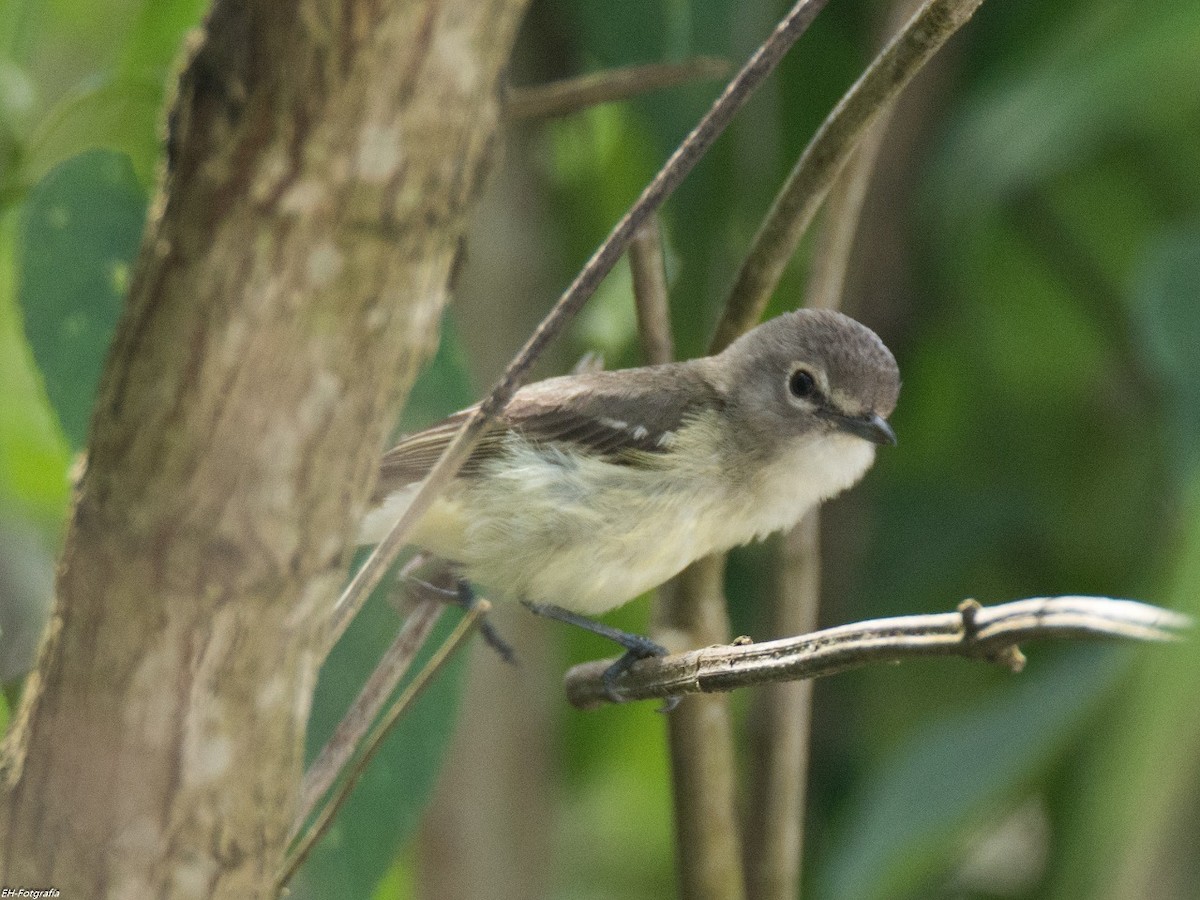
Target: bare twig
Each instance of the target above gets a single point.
(372, 743)
(691, 612)
(826, 154)
(561, 98)
(977, 632)
(779, 732)
(831, 259)
(648, 266)
(782, 713)
(685, 157)
(348, 736)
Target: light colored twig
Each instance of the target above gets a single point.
(371, 744)
(380, 685)
(676, 168)
(977, 632)
(809, 181)
(650, 296)
(843, 206)
(561, 98)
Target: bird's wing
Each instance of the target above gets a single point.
(620, 416)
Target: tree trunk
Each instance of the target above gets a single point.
(323, 157)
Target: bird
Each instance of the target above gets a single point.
(590, 489)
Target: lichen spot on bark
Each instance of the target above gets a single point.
(304, 198)
(325, 263)
(457, 59)
(380, 151)
(193, 877)
(209, 757)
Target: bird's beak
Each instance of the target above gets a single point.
(872, 427)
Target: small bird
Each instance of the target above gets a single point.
(591, 489)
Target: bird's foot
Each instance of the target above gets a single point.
(462, 594)
(636, 646)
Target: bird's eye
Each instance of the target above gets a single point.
(802, 384)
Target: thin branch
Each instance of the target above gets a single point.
(831, 259)
(685, 157)
(561, 98)
(650, 296)
(779, 731)
(809, 181)
(374, 741)
(352, 729)
(782, 713)
(976, 632)
(691, 612)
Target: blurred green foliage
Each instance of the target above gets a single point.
(1034, 260)
(89, 211)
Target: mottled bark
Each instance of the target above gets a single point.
(324, 155)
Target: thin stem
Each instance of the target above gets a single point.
(349, 734)
(685, 157)
(809, 181)
(561, 98)
(779, 732)
(843, 207)
(691, 612)
(975, 632)
(782, 713)
(650, 294)
(374, 741)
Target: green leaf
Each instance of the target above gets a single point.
(1128, 831)
(18, 19)
(1168, 319)
(156, 36)
(78, 238)
(18, 97)
(33, 454)
(107, 112)
(17, 100)
(382, 813)
(907, 823)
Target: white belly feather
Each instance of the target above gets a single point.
(589, 535)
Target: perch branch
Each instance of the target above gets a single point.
(806, 186)
(685, 157)
(976, 632)
(571, 95)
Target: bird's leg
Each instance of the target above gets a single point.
(636, 646)
(463, 595)
(491, 637)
